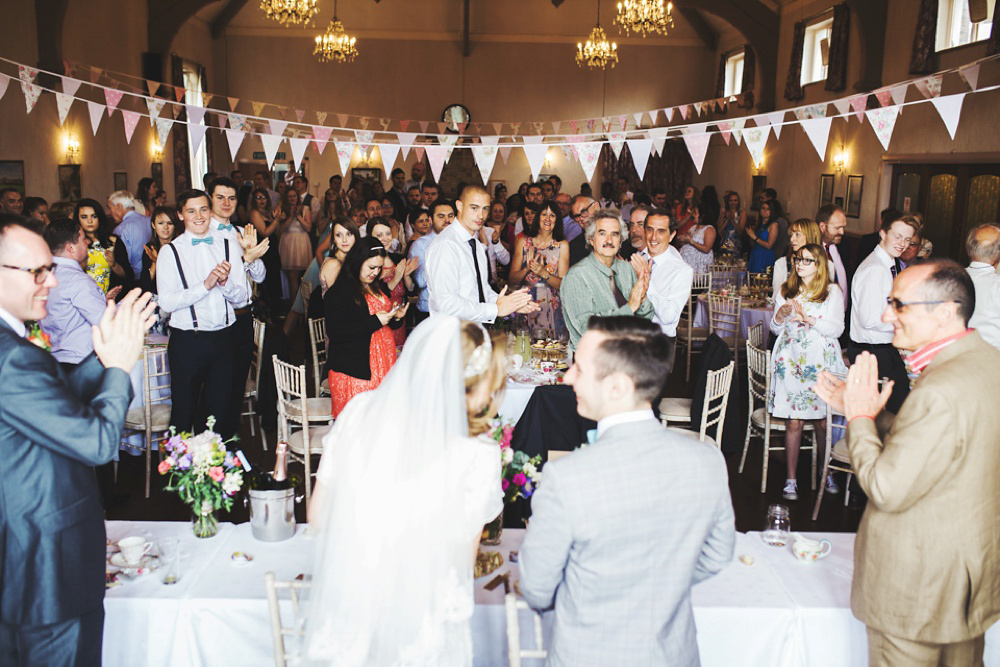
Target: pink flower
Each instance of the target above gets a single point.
(520, 479)
(216, 473)
(503, 485)
(165, 465)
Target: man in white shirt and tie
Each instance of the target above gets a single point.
(193, 284)
(670, 276)
(983, 246)
(457, 280)
(869, 290)
(832, 222)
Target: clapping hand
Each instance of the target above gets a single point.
(118, 337)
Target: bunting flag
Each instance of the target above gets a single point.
(485, 156)
(883, 97)
(756, 140)
(843, 107)
(179, 93)
(658, 136)
(738, 125)
(298, 146)
(818, 131)
(320, 136)
(638, 120)
(898, 93)
(685, 111)
(63, 103)
(616, 140)
(277, 127)
(931, 86)
(950, 109)
(971, 75)
(696, 139)
(536, 158)
(271, 144)
(364, 138)
(163, 126)
(776, 120)
(196, 115)
(389, 152)
(436, 155)
(344, 152)
(154, 106)
(96, 114)
(258, 108)
(504, 152)
(112, 97)
(589, 153)
(859, 104)
(197, 135)
(234, 138)
(669, 113)
(321, 117)
(725, 128)
(4, 81)
(131, 119)
(406, 139)
(640, 150)
(70, 86)
(237, 121)
(883, 121)
(233, 101)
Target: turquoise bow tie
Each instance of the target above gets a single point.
(591, 436)
(224, 227)
(208, 239)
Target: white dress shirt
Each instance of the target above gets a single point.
(986, 318)
(451, 277)
(669, 288)
(213, 307)
(623, 418)
(255, 269)
(869, 289)
(838, 273)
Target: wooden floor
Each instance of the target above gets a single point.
(750, 506)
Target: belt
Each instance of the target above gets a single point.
(245, 310)
(872, 346)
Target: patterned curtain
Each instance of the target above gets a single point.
(209, 154)
(182, 160)
(924, 60)
(993, 44)
(793, 85)
(749, 75)
(836, 72)
(720, 85)
(671, 170)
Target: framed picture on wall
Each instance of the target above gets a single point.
(825, 189)
(12, 175)
(69, 182)
(121, 180)
(854, 189)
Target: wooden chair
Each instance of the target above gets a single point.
(317, 345)
(689, 335)
(153, 416)
(296, 590)
(759, 420)
(514, 605)
(678, 410)
(250, 394)
(297, 424)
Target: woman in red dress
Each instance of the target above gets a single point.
(359, 322)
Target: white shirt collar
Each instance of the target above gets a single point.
(623, 418)
(14, 323)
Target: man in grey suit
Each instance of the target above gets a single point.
(54, 428)
(622, 529)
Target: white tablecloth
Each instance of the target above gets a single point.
(777, 611)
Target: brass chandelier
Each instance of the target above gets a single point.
(644, 16)
(597, 52)
(335, 45)
(290, 12)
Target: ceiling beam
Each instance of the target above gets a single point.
(702, 27)
(221, 21)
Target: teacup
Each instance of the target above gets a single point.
(548, 366)
(810, 550)
(134, 548)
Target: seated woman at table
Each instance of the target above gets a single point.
(801, 232)
(166, 226)
(359, 314)
(808, 319)
(540, 260)
(399, 505)
(696, 244)
(763, 236)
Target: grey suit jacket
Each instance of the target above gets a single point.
(619, 533)
(54, 428)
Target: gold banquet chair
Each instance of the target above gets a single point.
(283, 653)
(153, 416)
(515, 654)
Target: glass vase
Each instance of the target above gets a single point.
(492, 531)
(205, 521)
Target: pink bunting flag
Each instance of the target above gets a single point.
(112, 97)
(949, 108)
(131, 119)
(859, 104)
(883, 121)
(96, 114)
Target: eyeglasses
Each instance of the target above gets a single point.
(804, 261)
(40, 273)
(898, 305)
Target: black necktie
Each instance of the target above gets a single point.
(479, 275)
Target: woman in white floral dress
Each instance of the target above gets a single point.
(808, 319)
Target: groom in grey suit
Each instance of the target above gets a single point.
(54, 428)
(622, 529)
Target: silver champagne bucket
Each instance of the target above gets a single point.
(272, 514)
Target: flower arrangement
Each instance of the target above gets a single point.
(39, 337)
(520, 474)
(203, 474)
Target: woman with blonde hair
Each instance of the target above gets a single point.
(801, 232)
(808, 319)
(400, 503)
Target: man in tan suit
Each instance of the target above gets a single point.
(927, 555)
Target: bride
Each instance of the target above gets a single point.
(402, 493)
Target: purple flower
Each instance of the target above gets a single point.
(184, 462)
(519, 479)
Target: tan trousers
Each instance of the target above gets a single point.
(889, 651)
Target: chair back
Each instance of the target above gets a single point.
(717, 393)
(317, 345)
(285, 655)
(515, 653)
(724, 317)
(757, 336)
(758, 376)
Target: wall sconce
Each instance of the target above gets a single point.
(157, 151)
(72, 148)
(840, 159)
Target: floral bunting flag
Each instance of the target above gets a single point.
(364, 138)
(436, 156)
(234, 138)
(883, 97)
(485, 156)
(696, 139)
(859, 104)
(931, 86)
(971, 75)
(163, 126)
(131, 119)
(883, 121)
(756, 140)
(406, 139)
(70, 86)
(345, 150)
(298, 146)
(589, 153)
(725, 129)
(898, 93)
(818, 131)
(96, 110)
(63, 103)
(154, 106)
(640, 150)
(320, 136)
(4, 81)
(505, 152)
(197, 134)
(949, 108)
(277, 127)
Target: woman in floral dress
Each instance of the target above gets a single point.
(808, 319)
(540, 260)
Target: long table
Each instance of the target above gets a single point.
(777, 611)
